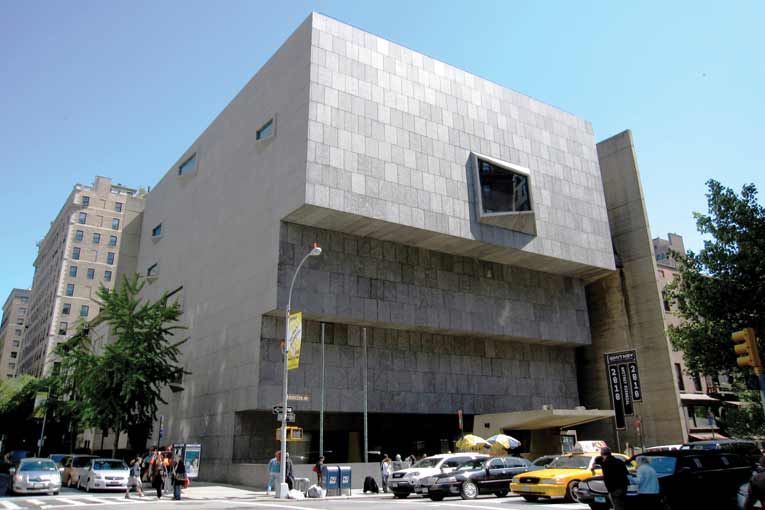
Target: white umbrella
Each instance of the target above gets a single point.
(503, 440)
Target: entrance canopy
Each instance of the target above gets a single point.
(537, 420)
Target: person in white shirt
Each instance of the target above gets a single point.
(648, 484)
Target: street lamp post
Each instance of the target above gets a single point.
(283, 487)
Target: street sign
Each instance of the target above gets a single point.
(624, 382)
(278, 409)
(290, 417)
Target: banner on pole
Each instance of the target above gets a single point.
(624, 382)
(295, 331)
(41, 397)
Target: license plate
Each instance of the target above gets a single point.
(394, 484)
(600, 499)
(36, 485)
(424, 490)
(113, 483)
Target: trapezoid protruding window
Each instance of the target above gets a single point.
(503, 194)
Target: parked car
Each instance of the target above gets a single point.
(402, 482)
(58, 458)
(104, 474)
(74, 466)
(32, 475)
(662, 448)
(541, 462)
(559, 479)
(681, 474)
(745, 448)
(474, 477)
(14, 456)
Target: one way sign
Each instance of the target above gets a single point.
(279, 410)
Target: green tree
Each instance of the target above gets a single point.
(721, 289)
(16, 406)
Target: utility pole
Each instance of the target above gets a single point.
(321, 409)
(366, 419)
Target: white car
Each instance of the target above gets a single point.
(35, 476)
(104, 474)
(403, 482)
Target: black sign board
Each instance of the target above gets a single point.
(616, 394)
(637, 393)
(624, 383)
(624, 378)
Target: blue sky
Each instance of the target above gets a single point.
(121, 88)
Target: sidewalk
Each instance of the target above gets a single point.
(212, 490)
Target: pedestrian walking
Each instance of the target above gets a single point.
(134, 480)
(385, 470)
(614, 477)
(411, 460)
(317, 468)
(648, 484)
(274, 469)
(179, 478)
(289, 473)
(159, 474)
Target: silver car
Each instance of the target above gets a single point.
(103, 474)
(32, 476)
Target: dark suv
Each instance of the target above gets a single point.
(747, 449)
(478, 476)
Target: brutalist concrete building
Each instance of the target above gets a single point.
(461, 223)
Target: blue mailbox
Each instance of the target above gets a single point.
(331, 478)
(345, 480)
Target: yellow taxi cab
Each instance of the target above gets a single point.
(559, 479)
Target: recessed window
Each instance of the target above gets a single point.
(503, 190)
(14, 354)
(153, 270)
(112, 240)
(96, 238)
(84, 309)
(83, 218)
(85, 200)
(157, 231)
(266, 131)
(70, 289)
(118, 206)
(18, 332)
(76, 253)
(110, 258)
(19, 322)
(16, 343)
(78, 235)
(66, 310)
(188, 166)
(73, 271)
(679, 375)
(108, 276)
(62, 327)
(91, 273)
(115, 223)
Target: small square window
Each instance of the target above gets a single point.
(16, 343)
(96, 238)
(76, 253)
(91, 273)
(115, 223)
(156, 231)
(62, 327)
(118, 206)
(84, 309)
(18, 332)
(14, 355)
(19, 322)
(83, 218)
(267, 131)
(107, 276)
(112, 240)
(73, 271)
(70, 289)
(67, 308)
(85, 200)
(110, 258)
(188, 166)
(79, 235)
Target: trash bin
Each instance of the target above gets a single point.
(345, 480)
(331, 478)
(301, 484)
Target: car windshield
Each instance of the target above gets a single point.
(541, 461)
(80, 462)
(101, 465)
(57, 457)
(38, 465)
(428, 462)
(471, 465)
(575, 462)
(662, 465)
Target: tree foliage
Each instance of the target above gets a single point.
(721, 289)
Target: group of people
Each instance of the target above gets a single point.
(616, 480)
(274, 472)
(388, 466)
(160, 470)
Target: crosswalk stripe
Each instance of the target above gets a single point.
(69, 501)
(9, 505)
(37, 502)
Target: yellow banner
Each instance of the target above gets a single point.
(295, 331)
(39, 409)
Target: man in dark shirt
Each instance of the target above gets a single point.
(614, 476)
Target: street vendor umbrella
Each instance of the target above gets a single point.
(470, 441)
(505, 441)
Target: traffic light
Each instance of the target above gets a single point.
(746, 349)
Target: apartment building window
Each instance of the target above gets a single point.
(91, 273)
(118, 206)
(76, 253)
(156, 231)
(153, 270)
(697, 383)
(115, 223)
(21, 311)
(107, 276)
(14, 355)
(110, 257)
(70, 289)
(85, 200)
(267, 131)
(679, 374)
(62, 327)
(112, 240)
(18, 332)
(66, 310)
(188, 166)
(73, 271)
(24, 299)
(11, 366)
(16, 343)
(19, 322)
(96, 238)
(83, 218)
(84, 309)
(79, 235)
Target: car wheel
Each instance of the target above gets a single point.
(469, 490)
(501, 494)
(531, 499)
(436, 497)
(400, 495)
(571, 491)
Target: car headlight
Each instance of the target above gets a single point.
(515, 480)
(413, 474)
(551, 481)
(449, 479)
(18, 478)
(98, 477)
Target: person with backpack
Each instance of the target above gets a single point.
(179, 478)
(135, 477)
(317, 468)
